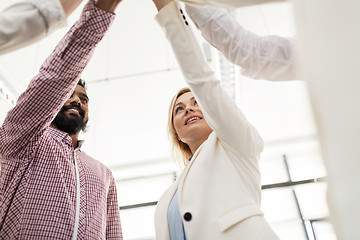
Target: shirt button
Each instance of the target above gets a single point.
(87, 14)
(187, 216)
(99, 18)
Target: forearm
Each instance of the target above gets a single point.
(107, 5)
(268, 57)
(229, 3)
(161, 3)
(70, 5)
(27, 22)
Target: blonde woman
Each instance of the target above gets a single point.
(218, 194)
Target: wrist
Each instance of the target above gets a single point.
(161, 3)
(107, 5)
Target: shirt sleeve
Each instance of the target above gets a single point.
(220, 111)
(228, 3)
(260, 57)
(52, 13)
(58, 76)
(113, 224)
(29, 21)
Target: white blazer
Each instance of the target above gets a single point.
(219, 193)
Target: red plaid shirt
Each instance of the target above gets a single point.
(38, 173)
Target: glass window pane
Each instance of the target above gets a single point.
(273, 170)
(324, 230)
(278, 205)
(312, 200)
(138, 223)
(143, 189)
(293, 230)
(306, 166)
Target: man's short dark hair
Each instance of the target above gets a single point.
(82, 83)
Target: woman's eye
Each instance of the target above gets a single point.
(178, 109)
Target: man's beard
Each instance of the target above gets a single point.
(70, 124)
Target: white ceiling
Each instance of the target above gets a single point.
(128, 111)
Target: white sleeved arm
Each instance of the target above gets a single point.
(260, 57)
(26, 22)
(220, 111)
(228, 3)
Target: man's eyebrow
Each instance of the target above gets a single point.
(84, 95)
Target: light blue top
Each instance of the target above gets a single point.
(175, 222)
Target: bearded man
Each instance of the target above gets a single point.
(73, 116)
(50, 188)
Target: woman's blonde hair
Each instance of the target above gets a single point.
(180, 150)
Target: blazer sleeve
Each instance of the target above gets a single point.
(26, 22)
(228, 3)
(260, 57)
(220, 111)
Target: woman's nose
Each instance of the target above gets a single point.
(189, 110)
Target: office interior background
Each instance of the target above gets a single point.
(131, 80)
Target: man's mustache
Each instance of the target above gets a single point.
(72, 106)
